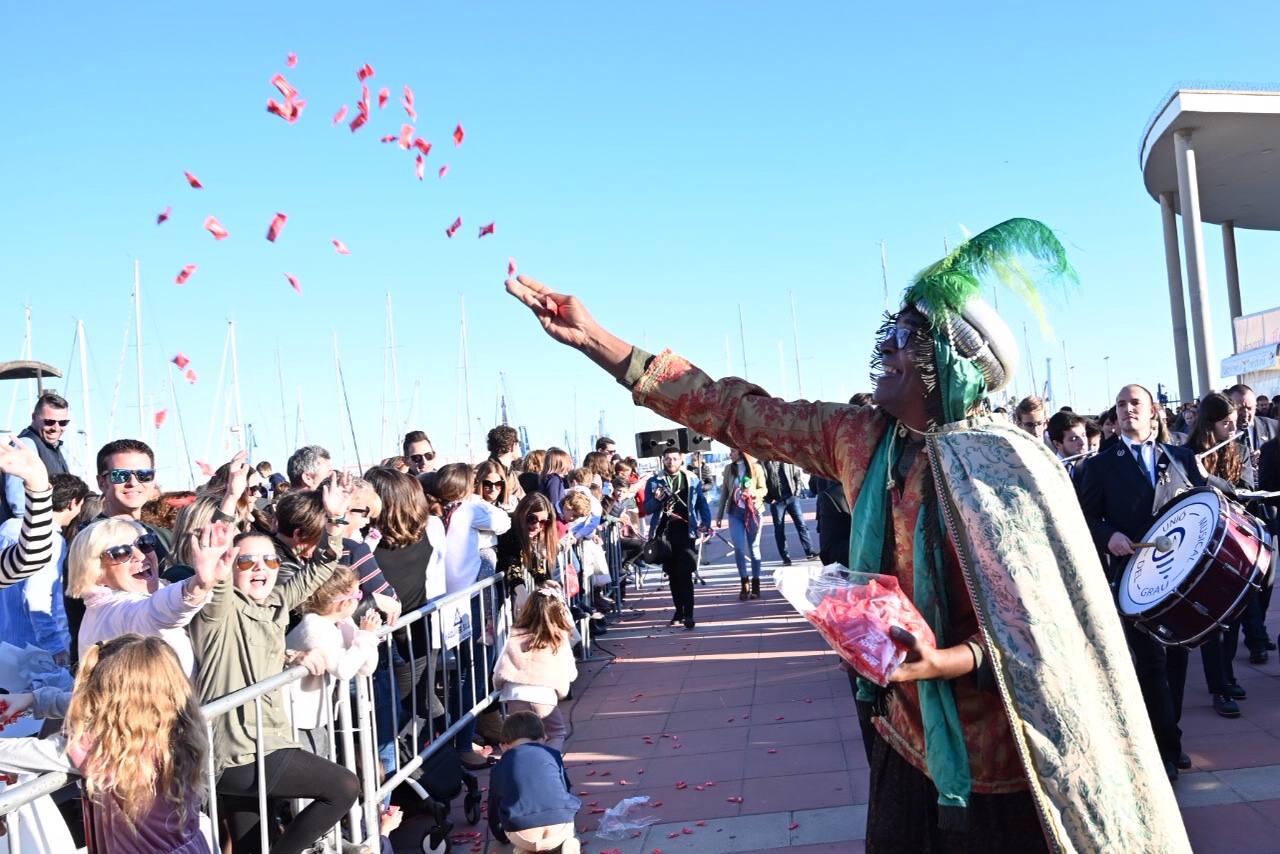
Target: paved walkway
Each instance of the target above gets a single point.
(743, 735)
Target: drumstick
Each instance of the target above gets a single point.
(1160, 544)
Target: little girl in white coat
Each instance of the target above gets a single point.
(327, 630)
(537, 665)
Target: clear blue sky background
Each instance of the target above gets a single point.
(664, 161)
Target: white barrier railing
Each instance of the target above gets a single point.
(355, 737)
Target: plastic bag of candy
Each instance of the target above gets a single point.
(854, 611)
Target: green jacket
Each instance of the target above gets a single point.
(239, 642)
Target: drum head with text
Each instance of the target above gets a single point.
(1151, 576)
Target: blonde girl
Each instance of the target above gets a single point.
(135, 733)
(537, 666)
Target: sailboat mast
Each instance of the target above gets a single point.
(395, 365)
(182, 430)
(137, 337)
(346, 401)
(84, 395)
(235, 386)
(466, 377)
(284, 416)
(742, 335)
(795, 338)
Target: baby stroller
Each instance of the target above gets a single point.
(429, 791)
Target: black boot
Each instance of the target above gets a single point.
(742, 594)
(755, 588)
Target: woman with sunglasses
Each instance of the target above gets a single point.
(533, 543)
(240, 638)
(112, 566)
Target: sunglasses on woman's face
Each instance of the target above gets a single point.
(491, 484)
(533, 519)
(245, 563)
(146, 544)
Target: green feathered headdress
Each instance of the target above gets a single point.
(944, 288)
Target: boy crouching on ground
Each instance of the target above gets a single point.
(530, 803)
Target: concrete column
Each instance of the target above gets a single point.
(1193, 243)
(1177, 302)
(1233, 274)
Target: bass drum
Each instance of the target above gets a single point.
(1217, 554)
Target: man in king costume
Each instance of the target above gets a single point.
(1024, 728)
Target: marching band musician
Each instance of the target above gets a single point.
(1210, 439)
(1121, 490)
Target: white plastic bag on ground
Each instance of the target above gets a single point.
(625, 817)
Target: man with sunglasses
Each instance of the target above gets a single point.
(420, 453)
(126, 477)
(43, 435)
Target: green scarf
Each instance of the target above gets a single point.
(961, 385)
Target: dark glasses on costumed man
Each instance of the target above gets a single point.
(119, 476)
(146, 544)
(61, 422)
(900, 336)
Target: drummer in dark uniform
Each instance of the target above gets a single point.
(1121, 490)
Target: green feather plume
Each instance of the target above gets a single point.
(945, 286)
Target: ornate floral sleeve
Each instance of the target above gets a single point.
(831, 440)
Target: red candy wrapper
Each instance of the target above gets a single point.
(854, 612)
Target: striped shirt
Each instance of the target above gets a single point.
(34, 549)
(359, 557)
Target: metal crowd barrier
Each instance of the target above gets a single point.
(462, 629)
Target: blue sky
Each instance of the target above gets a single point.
(665, 162)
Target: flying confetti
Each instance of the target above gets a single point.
(286, 91)
(185, 274)
(341, 247)
(486, 229)
(293, 281)
(193, 181)
(291, 60)
(205, 469)
(453, 229)
(511, 267)
(277, 223)
(164, 214)
(391, 137)
(458, 134)
(443, 170)
(215, 228)
(365, 73)
(383, 94)
(363, 115)
(190, 375)
(181, 361)
(407, 103)
(340, 115)
(422, 145)
(419, 166)
(406, 136)
(161, 415)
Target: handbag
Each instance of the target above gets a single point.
(656, 549)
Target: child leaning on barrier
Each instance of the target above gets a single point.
(239, 641)
(537, 666)
(133, 731)
(530, 801)
(327, 627)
